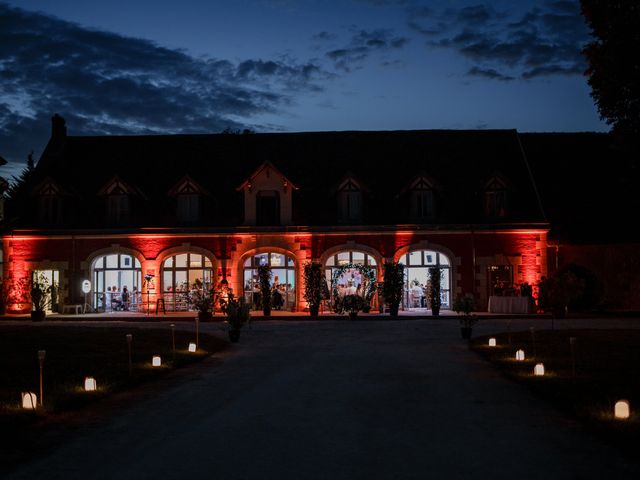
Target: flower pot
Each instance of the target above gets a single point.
(393, 310)
(38, 315)
(466, 333)
(353, 315)
(313, 310)
(234, 335)
(435, 311)
(266, 312)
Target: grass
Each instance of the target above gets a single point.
(73, 353)
(604, 368)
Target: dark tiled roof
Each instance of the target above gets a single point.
(460, 163)
(588, 185)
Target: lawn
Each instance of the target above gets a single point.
(604, 368)
(73, 353)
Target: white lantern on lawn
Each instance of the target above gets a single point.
(520, 355)
(156, 361)
(90, 384)
(622, 410)
(492, 342)
(192, 347)
(29, 400)
(538, 370)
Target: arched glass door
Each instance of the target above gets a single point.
(417, 266)
(283, 280)
(112, 275)
(181, 273)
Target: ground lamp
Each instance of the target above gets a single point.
(621, 410)
(156, 361)
(492, 342)
(192, 347)
(129, 338)
(538, 370)
(41, 355)
(29, 400)
(520, 355)
(173, 340)
(90, 384)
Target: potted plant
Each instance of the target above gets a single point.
(313, 286)
(264, 277)
(238, 313)
(393, 286)
(353, 304)
(434, 290)
(201, 299)
(39, 298)
(558, 292)
(465, 304)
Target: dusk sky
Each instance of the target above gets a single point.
(196, 66)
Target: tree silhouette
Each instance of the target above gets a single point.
(614, 64)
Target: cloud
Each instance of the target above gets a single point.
(545, 40)
(362, 44)
(105, 83)
(489, 73)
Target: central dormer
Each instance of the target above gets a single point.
(267, 197)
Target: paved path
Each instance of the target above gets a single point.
(337, 400)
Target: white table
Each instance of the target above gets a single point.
(509, 304)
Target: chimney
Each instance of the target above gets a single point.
(58, 127)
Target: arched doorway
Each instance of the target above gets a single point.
(417, 264)
(112, 273)
(181, 273)
(350, 278)
(283, 286)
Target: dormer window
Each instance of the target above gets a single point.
(117, 195)
(349, 202)
(267, 197)
(268, 208)
(188, 207)
(495, 198)
(117, 207)
(188, 194)
(422, 200)
(49, 202)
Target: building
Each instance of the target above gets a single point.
(155, 213)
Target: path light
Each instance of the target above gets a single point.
(29, 400)
(156, 361)
(538, 370)
(520, 355)
(90, 384)
(621, 411)
(192, 347)
(492, 342)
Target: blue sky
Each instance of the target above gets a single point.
(123, 67)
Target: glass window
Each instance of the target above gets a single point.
(343, 258)
(195, 260)
(357, 257)
(181, 260)
(112, 261)
(277, 260)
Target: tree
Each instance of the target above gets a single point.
(614, 64)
